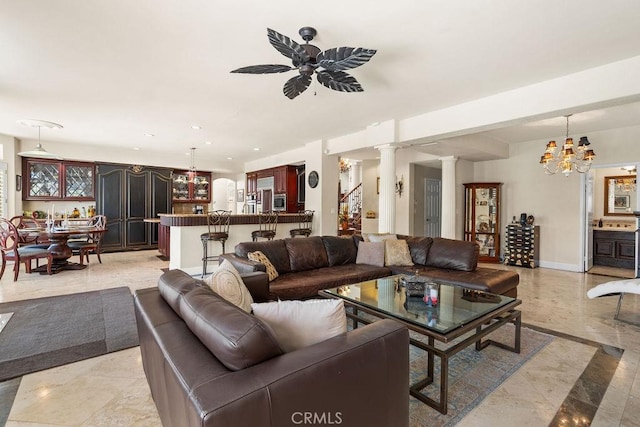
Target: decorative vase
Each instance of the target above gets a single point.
(344, 225)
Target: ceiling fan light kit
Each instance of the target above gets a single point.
(328, 65)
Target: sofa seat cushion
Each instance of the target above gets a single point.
(306, 254)
(236, 338)
(453, 254)
(501, 282)
(275, 250)
(306, 284)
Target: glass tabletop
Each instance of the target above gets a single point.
(455, 307)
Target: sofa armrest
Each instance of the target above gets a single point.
(258, 284)
(323, 379)
(243, 265)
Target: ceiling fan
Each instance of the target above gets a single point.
(328, 66)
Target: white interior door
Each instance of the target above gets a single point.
(432, 207)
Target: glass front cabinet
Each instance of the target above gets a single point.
(57, 180)
(482, 218)
(191, 187)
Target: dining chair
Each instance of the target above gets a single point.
(91, 242)
(22, 222)
(218, 231)
(304, 224)
(267, 221)
(9, 240)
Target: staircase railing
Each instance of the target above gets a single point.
(353, 202)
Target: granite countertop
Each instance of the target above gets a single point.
(203, 215)
(617, 229)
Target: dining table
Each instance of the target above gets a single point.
(58, 238)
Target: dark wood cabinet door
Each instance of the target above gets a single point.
(161, 185)
(136, 208)
(110, 202)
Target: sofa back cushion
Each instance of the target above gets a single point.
(306, 254)
(236, 338)
(453, 254)
(174, 284)
(275, 250)
(419, 247)
(340, 250)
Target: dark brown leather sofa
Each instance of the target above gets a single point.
(208, 363)
(308, 265)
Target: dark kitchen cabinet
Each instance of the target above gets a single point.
(57, 180)
(191, 187)
(614, 248)
(127, 195)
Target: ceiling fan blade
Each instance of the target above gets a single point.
(288, 47)
(339, 80)
(296, 85)
(344, 58)
(263, 69)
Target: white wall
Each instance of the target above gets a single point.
(554, 200)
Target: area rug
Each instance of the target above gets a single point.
(53, 331)
(473, 375)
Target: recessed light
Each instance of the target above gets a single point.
(196, 127)
(256, 149)
(136, 148)
(149, 135)
(229, 158)
(208, 142)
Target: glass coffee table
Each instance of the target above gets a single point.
(459, 311)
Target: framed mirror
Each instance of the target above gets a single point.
(619, 195)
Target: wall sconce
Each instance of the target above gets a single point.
(400, 186)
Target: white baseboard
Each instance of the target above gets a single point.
(560, 266)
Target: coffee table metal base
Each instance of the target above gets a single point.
(487, 326)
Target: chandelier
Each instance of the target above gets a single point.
(625, 185)
(39, 151)
(568, 159)
(345, 165)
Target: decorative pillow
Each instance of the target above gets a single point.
(227, 283)
(375, 237)
(297, 324)
(237, 339)
(258, 256)
(371, 253)
(396, 252)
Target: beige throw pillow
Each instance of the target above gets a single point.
(258, 256)
(227, 283)
(371, 253)
(380, 237)
(396, 252)
(298, 324)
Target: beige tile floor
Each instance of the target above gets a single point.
(112, 390)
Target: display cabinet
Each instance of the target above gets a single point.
(482, 218)
(522, 246)
(57, 180)
(191, 187)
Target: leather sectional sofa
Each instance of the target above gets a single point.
(307, 265)
(359, 377)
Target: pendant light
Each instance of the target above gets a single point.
(39, 152)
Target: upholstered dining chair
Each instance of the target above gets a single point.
(304, 225)
(90, 242)
(9, 239)
(267, 222)
(218, 231)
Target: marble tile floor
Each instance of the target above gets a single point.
(112, 390)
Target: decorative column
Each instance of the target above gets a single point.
(387, 200)
(448, 220)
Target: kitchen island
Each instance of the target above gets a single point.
(179, 236)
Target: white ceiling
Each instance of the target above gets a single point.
(112, 70)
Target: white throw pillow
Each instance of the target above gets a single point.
(298, 324)
(227, 283)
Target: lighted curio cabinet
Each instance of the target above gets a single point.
(191, 187)
(57, 180)
(482, 218)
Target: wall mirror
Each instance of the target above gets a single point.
(619, 195)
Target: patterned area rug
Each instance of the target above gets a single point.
(473, 375)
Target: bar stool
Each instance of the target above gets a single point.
(218, 225)
(268, 221)
(304, 224)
